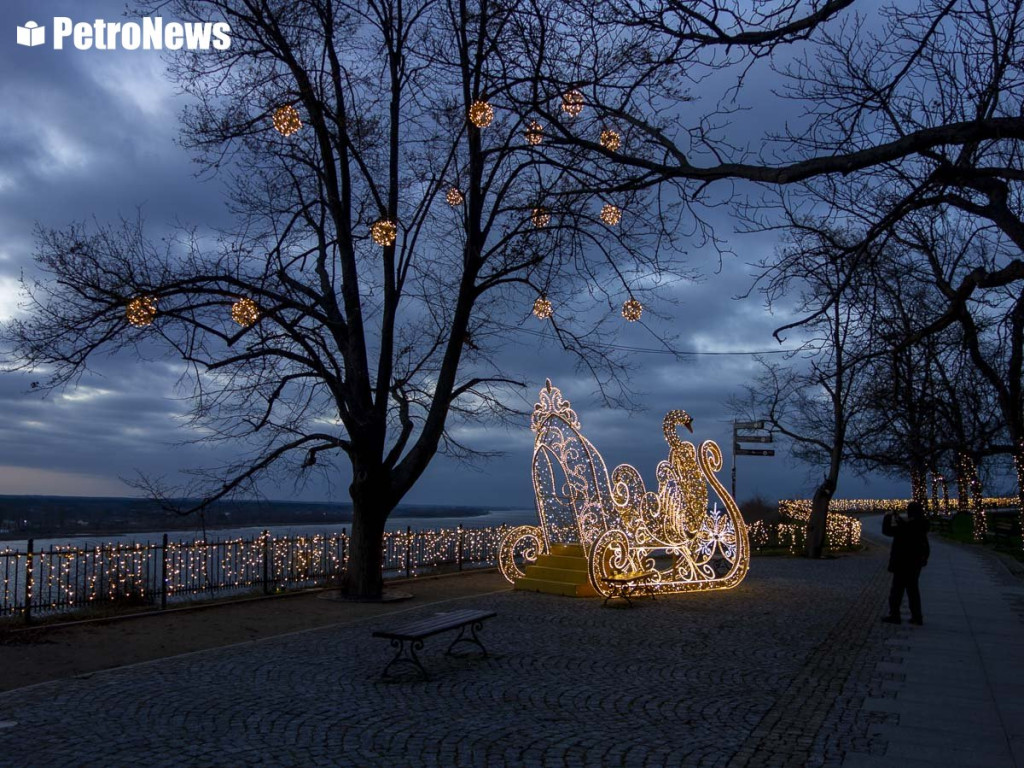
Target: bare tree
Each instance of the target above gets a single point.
(381, 252)
(813, 399)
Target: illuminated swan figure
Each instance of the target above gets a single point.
(636, 541)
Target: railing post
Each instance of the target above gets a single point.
(163, 574)
(28, 581)
(458, 551)
(266, 562)
(408, 551)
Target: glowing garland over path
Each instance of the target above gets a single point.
(620, 524)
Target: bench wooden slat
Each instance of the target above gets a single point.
(441, 622)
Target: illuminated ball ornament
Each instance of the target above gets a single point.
(141, 311)
(384, 232)
(481, 114)
(572, 103)
(540, 218)
(286, 120)
(534, 133)
(610, 140)
(245, 312)
(542, 309)
(454, 197)
(632, 310)
(611, 215)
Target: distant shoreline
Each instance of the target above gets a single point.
(48, 517)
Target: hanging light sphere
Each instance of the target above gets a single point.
(454, 197)
(245, 312)
(384, 232)
(632, 310)
(481, 114)
(286, 120)
(611, 215)
(141, 310)
(540, 218)
(572, 103)
(542, 308)
(534, 133)
(610, 140)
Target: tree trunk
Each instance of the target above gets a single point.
(818, 522)
(363, 577)
(1018, 464)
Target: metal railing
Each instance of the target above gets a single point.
(66, 578)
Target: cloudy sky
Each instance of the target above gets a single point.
(91, 135)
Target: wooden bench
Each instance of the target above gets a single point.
(408, 639)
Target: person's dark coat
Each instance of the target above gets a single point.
(910, 548)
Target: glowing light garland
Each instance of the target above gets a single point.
(542, 308)
(632, 310)
(620, 524)
(141, 311)
(481, 114)
(611, 215)
(384, 232)
(534, 133)
(454, 197)
(572, 103)
(286, 120)
(540, 218)
(610, 140)
(245, 312)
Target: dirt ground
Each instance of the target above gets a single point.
(49, 652)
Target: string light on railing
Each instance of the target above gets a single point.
(542, 308)
(384, 232)
(534, 133)
(611, 214)
(481, 113)
(540, 218)
(245, 312)
(141, 311)
(632, 310)
(572, 103)
(286, 120)
(610, 140)
(454, 197)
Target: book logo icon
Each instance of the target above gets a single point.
(31, 34)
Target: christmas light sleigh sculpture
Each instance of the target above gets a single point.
(637, 542)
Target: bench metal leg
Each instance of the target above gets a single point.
(472, 638)
(401, 657)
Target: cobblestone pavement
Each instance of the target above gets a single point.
(774, 672)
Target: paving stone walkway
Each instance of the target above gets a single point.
(790, 668)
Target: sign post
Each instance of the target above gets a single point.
(739, 427)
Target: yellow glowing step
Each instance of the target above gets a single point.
(564, 562)
(543, 572)
(555, 587)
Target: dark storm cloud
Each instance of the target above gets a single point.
(91, 134)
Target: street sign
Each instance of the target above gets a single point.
(754, 452)
(754, 438)
(748, 425)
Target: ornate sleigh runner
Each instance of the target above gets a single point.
(637, 542)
